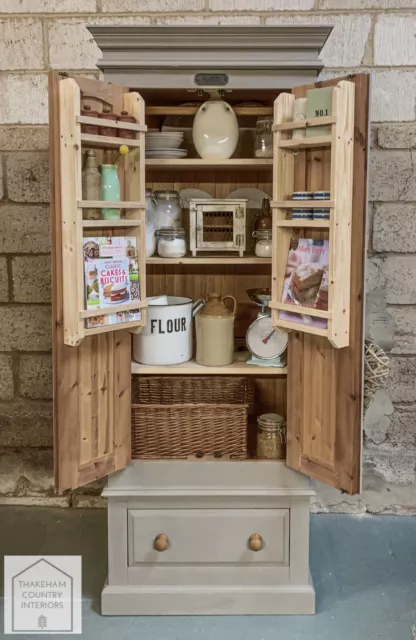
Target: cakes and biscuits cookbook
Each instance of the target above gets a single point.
(306, 280)
(111, 278)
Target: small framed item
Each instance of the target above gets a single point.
(217, 226)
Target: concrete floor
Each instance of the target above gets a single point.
(363, 567)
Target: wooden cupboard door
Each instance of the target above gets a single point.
(92, 381)
(325, 384)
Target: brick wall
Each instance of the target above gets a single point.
(369, 35)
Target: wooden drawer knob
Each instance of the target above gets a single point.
(161, 542)
(255, 542)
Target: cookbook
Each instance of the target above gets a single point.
(111, 279)
(306, 280)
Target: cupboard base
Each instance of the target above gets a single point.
(191, 600)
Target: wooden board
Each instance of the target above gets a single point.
(325, 384)
(91, 383)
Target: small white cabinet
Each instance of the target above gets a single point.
(235, 539)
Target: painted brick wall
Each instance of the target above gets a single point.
(36, 35)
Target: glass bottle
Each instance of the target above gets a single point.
(264, 219)
(110, 190)
(150, 223)
(91, 184)
(263, 147)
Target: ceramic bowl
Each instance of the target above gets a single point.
(164, 140)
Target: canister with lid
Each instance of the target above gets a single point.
(126, 133)
(171, 242)
(107, 131)
(271, 436)
(168, 209)
(90, 113)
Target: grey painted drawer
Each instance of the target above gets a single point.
(208, 536)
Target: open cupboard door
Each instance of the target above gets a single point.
(325, 365)
(91, 366)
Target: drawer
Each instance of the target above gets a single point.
(208, 536)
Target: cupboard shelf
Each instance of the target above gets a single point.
(303, 204)
(107, 142)
(115, 124)
(306, 143)
(110, 224)
(192, 368)
(302, 124)
(196, 164)
(113, 204)
(155, 260)
(304, 224)
(130, 306)
(191, 111)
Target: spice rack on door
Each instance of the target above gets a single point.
(74, 227)
(337, 228)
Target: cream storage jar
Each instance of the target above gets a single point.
(263, 248)
(171, 243)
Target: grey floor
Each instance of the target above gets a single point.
(364, 570)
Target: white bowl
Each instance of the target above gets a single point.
(164, 140)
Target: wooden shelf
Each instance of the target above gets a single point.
(303, 204)
(209, 260)
(304, 311)
(201, 164)
(306, 143)
(191, 111)
(304, 224)
(110, 224)
(129, 306)
(115, 124)
(192, 368)
(107, 204)
(113, 327)
(302, 124)
(106, 142)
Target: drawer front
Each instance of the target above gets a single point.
(208, 536)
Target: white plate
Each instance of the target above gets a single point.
(166, 154)
(189, 194)
(254, 196)
(163, 141)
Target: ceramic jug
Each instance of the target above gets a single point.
(110, 190)
(215, 332)
(215, 130)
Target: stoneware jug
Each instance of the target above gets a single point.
(215, 332)
(215, 130)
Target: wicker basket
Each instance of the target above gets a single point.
(182, 416)
(190, 390)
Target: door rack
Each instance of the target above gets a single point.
(291, 174)
(72, 145)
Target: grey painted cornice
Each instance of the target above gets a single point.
(210, 47)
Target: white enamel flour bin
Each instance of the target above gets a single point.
(167, 337)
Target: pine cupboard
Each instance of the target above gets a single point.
(220, 537)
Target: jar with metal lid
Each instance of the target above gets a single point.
(263, 147)
(263, 248)
(271, 436)
(171, 243)
(168, 210)
(150, 223)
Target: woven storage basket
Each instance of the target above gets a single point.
(181, 416)
(182, 430)
(190, 390)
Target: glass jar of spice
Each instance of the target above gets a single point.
(264, 138)
(271, 436)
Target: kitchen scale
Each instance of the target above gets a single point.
(266, 344)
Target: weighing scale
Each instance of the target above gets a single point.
(266, 344)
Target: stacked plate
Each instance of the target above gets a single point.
(165, 145)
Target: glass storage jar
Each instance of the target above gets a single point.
(171, 243)
(263, 248)
(168, 210)
(150, 223)
(271, 436)
(263, 147)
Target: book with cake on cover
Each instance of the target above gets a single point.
(111, 278)
(306, 280)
